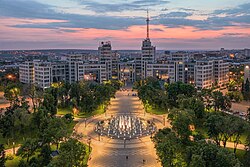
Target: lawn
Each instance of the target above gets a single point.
(19, 139)
(63, 111)
(156, 111)
(14, 162)
(239, 154)
(88, 152)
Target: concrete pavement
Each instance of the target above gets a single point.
(108, 152)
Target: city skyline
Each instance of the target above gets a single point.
(78, 24)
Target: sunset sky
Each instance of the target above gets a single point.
(82, 24)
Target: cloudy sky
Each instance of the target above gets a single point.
(82, 24)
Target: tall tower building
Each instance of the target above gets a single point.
(148, 51)
(105, 57)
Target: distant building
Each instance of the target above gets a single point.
(247, 53)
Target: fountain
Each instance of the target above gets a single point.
(125, 127)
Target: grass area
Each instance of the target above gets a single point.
(203, 131)
(14, 162)
(239, 154)
(16, 159)
(156, 111)
(88, 152)
(19, 139)
(63, 111)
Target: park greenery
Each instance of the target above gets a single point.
(199, 129)
(38, 130)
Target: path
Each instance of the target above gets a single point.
(112, 152)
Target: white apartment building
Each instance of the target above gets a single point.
(72, 59)
(90, 72)
(221, 72)
(43, 72)
(127, 72)
(176, 71)
(204, 74)
(159, 71)
(26, 72)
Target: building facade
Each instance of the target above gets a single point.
(173, 67)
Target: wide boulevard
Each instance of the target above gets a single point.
(108, 152)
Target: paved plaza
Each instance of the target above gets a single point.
(109, 152)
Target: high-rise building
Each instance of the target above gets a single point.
(105, 57)
(72, 59)
(43, 73)
(26, 72)
(221, 72)
(148, 52)
(204, 74)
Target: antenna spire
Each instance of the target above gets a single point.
(147, 24)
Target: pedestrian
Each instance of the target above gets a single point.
(143, 161)
(126, 157)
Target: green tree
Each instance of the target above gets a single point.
(236, 96)
(248, 114)
(213, 124)
(194, 104)
(238, 129)
(11, 93)
(211, 155)
(45, 155)
(28, 149)
(55, 131)
(2, 156)
(71, 154)
(181, 121)
(247, 90)
(197, 161)
(169, 148)
(220, 101)
(49, 104)
(178, 88)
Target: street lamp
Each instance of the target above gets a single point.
(89, 141)
(14, 148)
(9, 76)
(163, 120)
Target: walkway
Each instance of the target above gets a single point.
(112, 152)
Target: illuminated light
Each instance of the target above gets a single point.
(75, 111)
(247, 67)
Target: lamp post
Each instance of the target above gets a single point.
(89, 141)
(14, 148)
(163, 120)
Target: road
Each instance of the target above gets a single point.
(112, 152)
